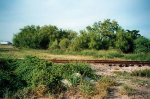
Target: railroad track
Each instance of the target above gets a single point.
(109, 62)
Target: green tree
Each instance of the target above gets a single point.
(64, 43)
(27, 37)
(142, 45)
(102, 34)
(125, 40)
(122, 41)
(54, 45)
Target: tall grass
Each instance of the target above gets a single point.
(95, 54)
(110, 54)
(141, 73)
(138, 57)
(105, 54)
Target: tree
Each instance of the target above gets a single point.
(122, 41)
(27, 37)
(54, 45)
(102, 34)
(142, 45)
(64, 43)
(41, 37)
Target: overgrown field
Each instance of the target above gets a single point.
(23, 76)
(10, 51)
(32, 77)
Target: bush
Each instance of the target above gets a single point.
(34, 71)
(33, 76)
(9, 82)
(37, 72)
(142, 45)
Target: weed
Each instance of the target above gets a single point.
(141, 73)
(127, 90)
(87, 88)
(102, 86)
(37, 77)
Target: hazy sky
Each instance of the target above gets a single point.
(72, 14)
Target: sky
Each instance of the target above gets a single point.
(72, 14)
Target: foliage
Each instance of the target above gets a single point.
(33, 71)
(41, 37)
(102, 35)
(34, 76)
(9, 82)
(87, 87)
(142, 73)
(102, 86)
(125, 40)
(128, 90)
(64, 43)
(139, 57)
(142, 45)
(54, 45)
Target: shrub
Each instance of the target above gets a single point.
(33, 76)
(34, 71)
(9, 82)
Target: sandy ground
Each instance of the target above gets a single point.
(142, 90)
(105, 69)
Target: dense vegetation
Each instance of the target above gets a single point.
(104, 35)
(35, 77)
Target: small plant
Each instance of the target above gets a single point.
(127, 90)
(103, 85)
(114, 55)
(87, 88)
(141, 73)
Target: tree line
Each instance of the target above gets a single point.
(102, 35)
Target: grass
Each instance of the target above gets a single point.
(103, 54)
(87, 90)
(9, 51)
(142, 73)
(127, 90)
(36, 77)
(138, 57)
(103, 85)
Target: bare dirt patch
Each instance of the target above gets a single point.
(128, 87)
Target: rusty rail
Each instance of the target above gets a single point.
(110, 62)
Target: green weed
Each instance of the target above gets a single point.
(141, 73)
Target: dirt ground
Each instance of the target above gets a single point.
(137, 87)
(105, 69)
